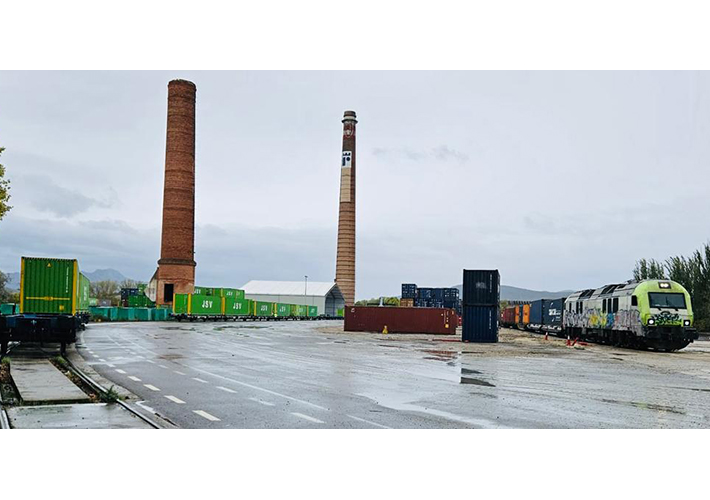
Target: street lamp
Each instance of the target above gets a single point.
(305, 292)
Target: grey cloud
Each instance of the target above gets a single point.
(440, 153)
(47, 196)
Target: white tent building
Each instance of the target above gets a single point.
(327, 296)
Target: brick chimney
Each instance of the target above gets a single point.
(345, 260)
(176, 267)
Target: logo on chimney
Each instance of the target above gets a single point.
(347, 158)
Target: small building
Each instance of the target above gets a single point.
(327, 296)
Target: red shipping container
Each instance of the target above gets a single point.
(401, 320)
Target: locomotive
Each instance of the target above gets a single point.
(648, 314)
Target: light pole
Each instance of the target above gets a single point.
(305, 292)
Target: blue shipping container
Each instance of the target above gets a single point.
(536, 308)
(552, 314)
(409, 291)
(481, 288)
(480, 324)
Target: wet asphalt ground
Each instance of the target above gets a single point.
(313, 375)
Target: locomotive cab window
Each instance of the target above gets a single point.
(666, 300)
(634, 300)
(604, 305)
(616, 304)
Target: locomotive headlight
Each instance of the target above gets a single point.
(686, 322)
(651, 322)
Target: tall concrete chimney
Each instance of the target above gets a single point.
(176, 267)
(345, 260)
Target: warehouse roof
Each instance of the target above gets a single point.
(316, 288)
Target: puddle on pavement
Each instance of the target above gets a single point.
(485, 395)
(468, 371)
(647, 406)
(447, 356)
(476, 381)
(692, 389)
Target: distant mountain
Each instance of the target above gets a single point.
(515, 293)
(98, 275)
(105, 275)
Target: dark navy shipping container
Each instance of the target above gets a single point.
(480, 324)
(451, 294)
(424, 293)
(536, 309)
(409, 291)
(481, 288)
(552, 314)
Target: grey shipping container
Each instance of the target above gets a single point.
(480, 324)
(481, 288)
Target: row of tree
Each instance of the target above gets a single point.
(693, 272)
(386, 301)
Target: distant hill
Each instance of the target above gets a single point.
(515, 293)
(105, 275)
(98, 275)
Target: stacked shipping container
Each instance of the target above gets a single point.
(481, 297)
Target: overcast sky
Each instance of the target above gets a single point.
(559, 179)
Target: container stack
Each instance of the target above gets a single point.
(413, 296)
(481, 302)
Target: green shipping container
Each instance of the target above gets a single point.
(83, 293)
(263, 309)
(7, 309)
(52, 286)
(180, 301)
(126, 314)
(142, 314)
(236, 307)
(161, 314)
(205, 305)
(232, 293)
(299, 311)
(312, 311)
(283, 310)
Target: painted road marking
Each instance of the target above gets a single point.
(369, 422)
(120, 371)
(301, 415)
(265, 403)
(110, 365)
(151, 387)
(176, 400)
(200, 380)
(226, 389)
(135, 379)
(95, 355)
(243, 384)
(150, 361)
(102, 360)
(206, 415)
(163, 366)
(179, 373)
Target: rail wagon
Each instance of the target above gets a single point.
(54, 303)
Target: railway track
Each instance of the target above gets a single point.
(4, 421)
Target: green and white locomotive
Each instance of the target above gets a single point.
(649, 314)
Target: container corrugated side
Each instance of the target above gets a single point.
(312, 311)
(141, 313)
(236, 307)
(205, 305)
(8, 309)
(552, 317)
(480, 324)
(180, 301)
(283, 310)
(536, 308)
(400, 320)
(263, 309)
(481, 287)
(48, 285)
